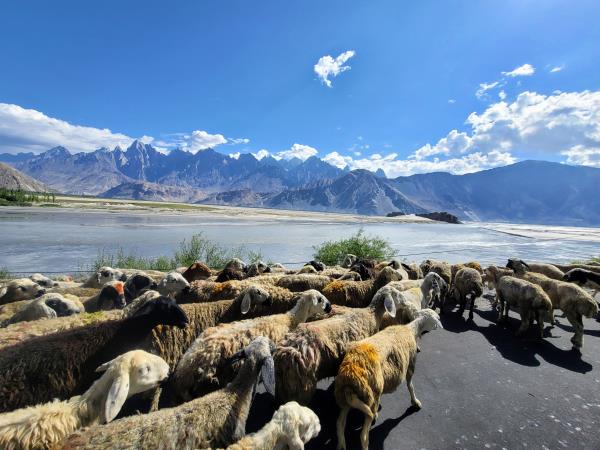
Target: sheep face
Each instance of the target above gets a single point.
(518, 265)
(137, 284)
(163, 311)
(42, 280)
(131, 373)
(259, 351)
(21, 289)
(431, 320)
(254, 295)
(63, 307)
(349, 260)
(317, 302)
(172, 284)
(319, 266)
(108, 274)
(197, 271)
(112, 296)
(236, 264)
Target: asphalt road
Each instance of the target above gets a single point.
(481, 388)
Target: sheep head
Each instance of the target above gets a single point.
(259, 352)
(254, 295)
(160, 311)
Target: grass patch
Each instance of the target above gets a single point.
(197, 248)
(593, 259)
(4, 273)
(359, 244)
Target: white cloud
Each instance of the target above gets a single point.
(533, 123)
(196, 141)
(522, 71)
(484, 87)
(580, 155)
(451, 101)
(502, 95)
(300, 151)
(557, 69)
(28, 130)
(235, 155)
(328, 66)
(235, 141)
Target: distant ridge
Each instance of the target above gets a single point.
(13, 179)
(527, 192)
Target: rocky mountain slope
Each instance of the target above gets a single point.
(13, 179)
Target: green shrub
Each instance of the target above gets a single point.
(4, 273)
(359, 244)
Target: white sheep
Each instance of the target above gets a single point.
(104, 275)
(201, 368)
(291, 427)
(48, 306)
(172, 284)
(20, 289)
(377, 365)
(41, 426)
(43, 280)
(215, 420)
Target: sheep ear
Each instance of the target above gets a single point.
(116, 396)
(438, 324)
(267, 374)
(105, 366)
(3, 291)
(246, 303)
(406, 266)
(390, 305)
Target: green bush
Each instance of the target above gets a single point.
(197, 248)
(359, 244)
(4, 273)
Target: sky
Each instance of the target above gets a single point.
(409, 87)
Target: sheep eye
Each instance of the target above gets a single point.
(23, 288)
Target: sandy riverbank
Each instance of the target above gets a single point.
(83, 204)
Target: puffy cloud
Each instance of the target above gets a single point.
(502, 95)
(195, 141)
(533, 123)
(328, 66)
(235, 155)
(235, 141)
(580, 155)
(300, 151)
(522, 71)
(557, 69)
(28, 130)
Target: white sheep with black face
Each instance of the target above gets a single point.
(172, 284)
(41, 426)
(48, 306)
(20, 289)
(43, 280)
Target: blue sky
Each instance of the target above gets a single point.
(240, 76)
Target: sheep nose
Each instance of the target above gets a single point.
(186, 290)
(269, 301)
(40, 292)
(328, 308)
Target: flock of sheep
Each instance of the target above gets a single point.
(155, 360)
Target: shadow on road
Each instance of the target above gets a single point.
(523, 350)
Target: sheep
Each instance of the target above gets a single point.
(228, 274)
(42, 426)
(494, 273)
(413, 270)
(111, 296)
(42, 280)
(48, 306)
(303, 282)
(349, 260)
(568, 297)
(196, 271)
(377, 365)
(413, 295)
(215, 420)
(103, 276)
(549, 270)
(62, 363)
(137, 284)
(201, 367)
(314, 350)
(365, 268)
(307, 269)
(350, 276)
(584, 278)
(173, 284)
(236, 264)
(456, 267)
(210, 291)
(358, 293)
(318, 265)
(20, 289)
(591, 266)
(403, 285)
(467, 282)
(529, 298)
(291, 427)
(257, 268)
(442, 268)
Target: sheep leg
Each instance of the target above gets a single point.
(411, 390)
(472, 306)
(462, 304)
(525, 314)
(341, 426)
(375, 408)
(577, 321)
(540, 322)
(364, 434)
(355, 402)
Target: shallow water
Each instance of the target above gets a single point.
(65, 240)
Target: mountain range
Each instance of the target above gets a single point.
(528, 191)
